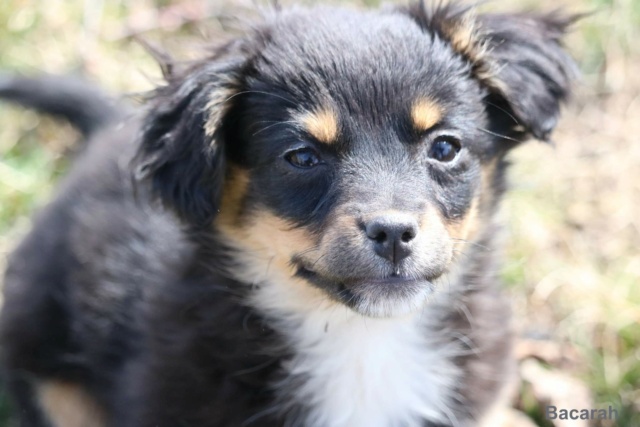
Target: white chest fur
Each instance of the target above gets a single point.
(362, 372)
(370, 372)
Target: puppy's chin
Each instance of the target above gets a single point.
(393, 296)
(387, 298)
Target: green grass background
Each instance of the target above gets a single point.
(572, 256)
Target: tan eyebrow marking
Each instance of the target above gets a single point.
(321, 124)
(425, 114)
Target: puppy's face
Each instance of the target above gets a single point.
(360, 154)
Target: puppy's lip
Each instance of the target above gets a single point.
(348, 283)
(374, 297)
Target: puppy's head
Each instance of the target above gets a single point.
(348, 154)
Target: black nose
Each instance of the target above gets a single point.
(392, 235)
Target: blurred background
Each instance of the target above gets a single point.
(572, 217)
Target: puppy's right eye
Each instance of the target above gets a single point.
(304, 158)
(444, 149)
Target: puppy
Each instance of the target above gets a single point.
(297, 231)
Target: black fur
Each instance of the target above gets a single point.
(526, 70)
(185, 172)
(85, 106)
(123, 285)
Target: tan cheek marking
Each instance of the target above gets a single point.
(268, 244)
(265, 232)
(262, 233)
(432, 223)
(467, 227)
(425, 114)
(68, 405)
(321, 124)
(429, 220)
(233, 195)
(435, 236)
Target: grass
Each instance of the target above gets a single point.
(572, 256)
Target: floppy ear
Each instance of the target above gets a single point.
(528, 70)
(181, 147)
(519, 58)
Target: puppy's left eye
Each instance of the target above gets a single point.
(444, 149)
(304, 158)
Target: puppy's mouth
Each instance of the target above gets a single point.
(390, 296)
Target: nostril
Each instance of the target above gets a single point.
(380, 237)
(377, 231)
(407, 236)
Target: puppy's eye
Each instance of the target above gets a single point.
(444, 149)
(304, 158)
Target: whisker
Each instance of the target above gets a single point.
(254, 368)
(244, 92)
(515, 120)
(498, 135)
(266, 273)
(471, 243)
(306, 251)
(269, 410)
(318, 260)
(272, 125)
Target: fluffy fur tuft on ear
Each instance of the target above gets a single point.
(519, 58)
(181, 147)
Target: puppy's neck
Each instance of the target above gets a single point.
(351, 371)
